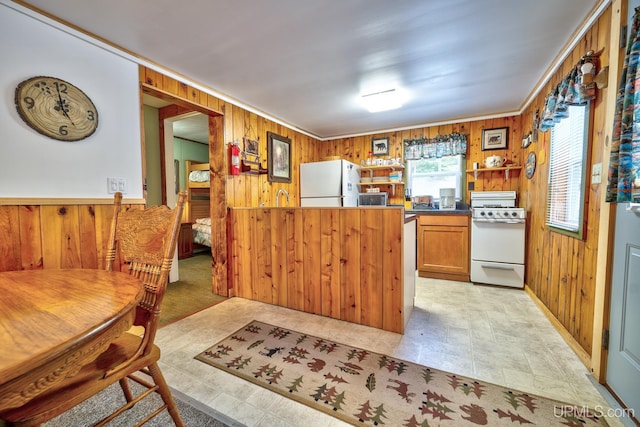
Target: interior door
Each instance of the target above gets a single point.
(623, 362)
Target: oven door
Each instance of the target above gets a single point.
(498, 241)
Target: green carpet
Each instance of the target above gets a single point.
(192, 292)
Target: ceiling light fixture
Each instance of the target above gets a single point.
(382, 101)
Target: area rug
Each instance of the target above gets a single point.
(366, 388)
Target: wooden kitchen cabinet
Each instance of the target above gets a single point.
(185, 241)
(443, 246)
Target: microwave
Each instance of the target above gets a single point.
(372, 199)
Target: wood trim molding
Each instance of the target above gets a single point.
(607, 218)
(31, 201)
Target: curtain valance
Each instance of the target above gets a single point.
(440, 146)
(576, 88)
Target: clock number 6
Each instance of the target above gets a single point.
(63, 130)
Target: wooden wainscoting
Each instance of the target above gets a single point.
(58, 234)
(344, 263)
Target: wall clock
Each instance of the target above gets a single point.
(530, 164)
(56, 108)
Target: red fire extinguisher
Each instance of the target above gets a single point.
(235, 158)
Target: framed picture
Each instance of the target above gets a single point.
(278, 158)
(251, 146)
(494, 139)
(380, 146)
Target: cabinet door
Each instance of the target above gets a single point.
(444, 249)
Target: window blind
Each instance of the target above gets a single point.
(566, 171)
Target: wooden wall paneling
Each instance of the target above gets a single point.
(575, 283)
(330, 262)
(30, 237)
(87, 237)
(392, 272)
(567, 286)
(61, 243)
(295, 259)
(170, 85)
(564, 296)
(10, 258)
(211, 102)
(262, 255)
(242, 257)
(279, 261)
(103, 215)
(350, 271)
(235, 249)
(371, 274)
(587, 294)
(311, 260)
(218, 206)
(250, 284)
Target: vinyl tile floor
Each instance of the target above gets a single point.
(490, 333)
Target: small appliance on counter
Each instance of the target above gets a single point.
(447, 199)
(422, 202)
(379, 198)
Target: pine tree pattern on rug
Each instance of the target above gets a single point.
(366, 388)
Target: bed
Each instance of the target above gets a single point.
(197, 204)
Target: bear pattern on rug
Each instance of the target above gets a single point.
(366, 388)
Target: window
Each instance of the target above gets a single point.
(428, 176)
(567, 172)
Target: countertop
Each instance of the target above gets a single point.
(461, 209)
(437, 212)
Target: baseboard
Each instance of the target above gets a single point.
(566, 335)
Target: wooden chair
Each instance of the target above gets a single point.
(145, 240)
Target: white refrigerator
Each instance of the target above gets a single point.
(329, 183)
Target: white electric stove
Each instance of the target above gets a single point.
(497, 239)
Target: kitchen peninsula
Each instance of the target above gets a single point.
(353, 264)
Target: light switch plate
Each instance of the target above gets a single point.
(596, 173)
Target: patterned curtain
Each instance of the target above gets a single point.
(624, 163)
(440, 146)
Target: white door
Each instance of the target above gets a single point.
(623, 362)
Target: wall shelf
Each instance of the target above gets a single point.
(506, 170)
(392, 168)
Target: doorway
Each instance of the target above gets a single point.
(174, 134)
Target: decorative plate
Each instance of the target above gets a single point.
(530, 165)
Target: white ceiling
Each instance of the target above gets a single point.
(306, 63)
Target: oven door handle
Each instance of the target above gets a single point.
(499, 221)
(498, 267)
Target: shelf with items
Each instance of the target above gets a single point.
(392, 183)
(506, 170)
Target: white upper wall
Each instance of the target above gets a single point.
(33, 165)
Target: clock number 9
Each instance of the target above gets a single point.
(29, 101)
(63, 130)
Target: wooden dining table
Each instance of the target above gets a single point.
(53, 322)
